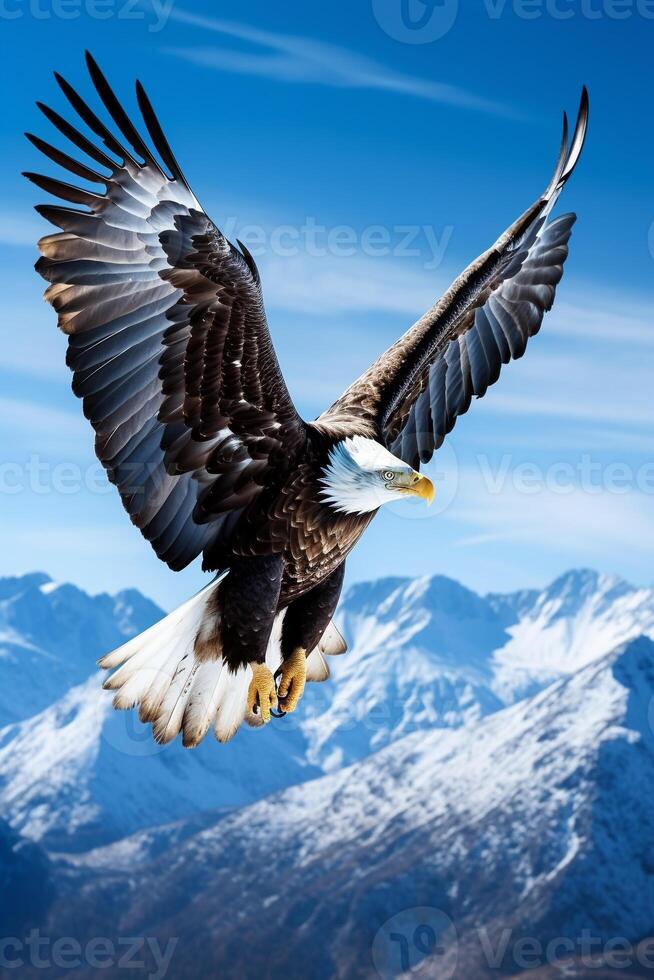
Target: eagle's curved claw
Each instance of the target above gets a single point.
(280, 711)
(293, 677)
(262, 692)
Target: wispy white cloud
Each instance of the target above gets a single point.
(31, 428)
(36, 349)
(475, 540)
(293, 58)
(89, 542)
(21, 228)
(572, 408)
(580, 382)
(329, 285)
(23, 416)
(573, 436)
(604, 317)
(595, 524)
(566, 382)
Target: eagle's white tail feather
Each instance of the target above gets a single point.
(176, 691)
(209, 688)
(168, 722)
(154, 652)
(234, 705)
(274, 648)
(135, 688)
(148, 674)
(175, 621)
(157, 678)
(317, 669)
(332, 643)
(158, 671)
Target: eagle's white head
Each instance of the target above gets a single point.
(361, 475)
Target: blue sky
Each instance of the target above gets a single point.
(366, 160)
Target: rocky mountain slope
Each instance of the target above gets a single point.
(423, 653)
(429, 652)
(51, 635)
(443, 853)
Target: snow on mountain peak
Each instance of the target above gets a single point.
(532, 821)
(80, 773)
(424, 654)
(12, 585)
(52, 633)
(526, 814)
(581, 616)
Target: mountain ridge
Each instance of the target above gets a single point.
(424, 653)
(450, 821)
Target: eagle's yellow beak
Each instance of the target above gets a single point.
(424, 488)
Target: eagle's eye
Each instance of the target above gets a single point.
(388, 475)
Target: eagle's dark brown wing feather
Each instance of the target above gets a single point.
(492, 332)
(168, 341)
(413, 394)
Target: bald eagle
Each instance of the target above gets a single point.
(172, 358)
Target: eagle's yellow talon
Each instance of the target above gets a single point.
(293, 679)
(261, 691)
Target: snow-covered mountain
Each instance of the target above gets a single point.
(52, 634)
(420, 656)
(448, 847)
(73, 772)
(423, 653)
(26, 883)
(429, 652)
(79, 773)
(579, 617)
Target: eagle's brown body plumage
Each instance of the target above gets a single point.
(291, 521)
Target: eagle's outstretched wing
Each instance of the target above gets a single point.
(168, 341)
(414, 393)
